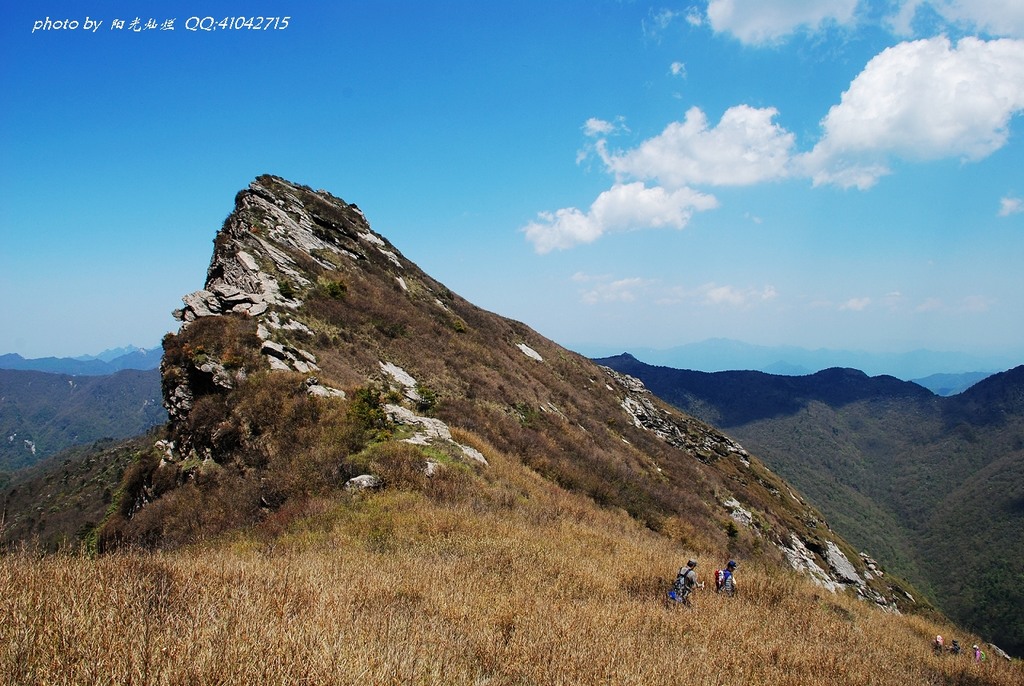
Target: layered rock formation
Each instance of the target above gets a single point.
(299, 284)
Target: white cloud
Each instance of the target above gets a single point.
(856, 304)
(694, 16)
(597, 127)
(677, 69)
(746, 147)
(997, 17)
(894, 300)
(921, 100)
(1008, 206)
(901, 20)
(656, 22)
(930, 305)
(714, 294)
(719, 295)
(759, 22)
(994, 17)
(623, 207)
(620, 290)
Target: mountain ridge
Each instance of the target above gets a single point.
(722, 354)
(87, 365)
(338, 420)
(305, 306)
(895, 467)
(42, 413)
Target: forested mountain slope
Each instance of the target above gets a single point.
(934, 485)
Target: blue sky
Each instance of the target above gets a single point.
(819, 173)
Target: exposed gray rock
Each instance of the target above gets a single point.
(530, 352)
(740, 514)
(364, 482)
(403, 378)
(430, 431)
(220, 376)
(704, 443)
(286, 358)
(841, 566)
(802, 560)
(315, 388)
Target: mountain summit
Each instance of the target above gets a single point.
(315, 342)
(364, 477)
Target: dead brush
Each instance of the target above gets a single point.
(514, 581)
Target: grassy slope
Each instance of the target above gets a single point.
(56, 503)
(506, 580)
(931, 487)
(527, 571)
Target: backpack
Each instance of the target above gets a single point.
(680, 588)
(724, 582)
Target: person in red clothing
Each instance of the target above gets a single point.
(725, 579)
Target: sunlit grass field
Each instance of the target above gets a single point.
(513, 582)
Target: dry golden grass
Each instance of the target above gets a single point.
(514, 583)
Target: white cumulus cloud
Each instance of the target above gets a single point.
(597, 127)
(745, 147)
(856, 304)
(921, 100)
(619, 290)
(623, 207)
(733, 296)
(994, 17)
(759, 22)
(1008, 206)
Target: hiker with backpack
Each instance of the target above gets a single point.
(686, 581)
(725, 579)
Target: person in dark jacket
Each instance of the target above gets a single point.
(684, 584)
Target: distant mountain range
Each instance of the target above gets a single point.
(317, 360)
(722, 354)
(943, 373)
(43, 413)
(107, 362)
(934, 485)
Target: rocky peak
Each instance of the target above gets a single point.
(254, 262)
(281, 242)
(301, 290)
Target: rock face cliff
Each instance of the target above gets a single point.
(309, 323)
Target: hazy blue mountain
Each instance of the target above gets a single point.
(950, 384)
(722, 354)
(111, 354)
(105, 363)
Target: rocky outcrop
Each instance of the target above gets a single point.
(364, 482)
(428, 430)
(825, 564)
(313, 292)
(256, 272)
(704, 443)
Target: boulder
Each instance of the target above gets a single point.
(364, 482)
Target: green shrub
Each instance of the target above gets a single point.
(334, 289)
